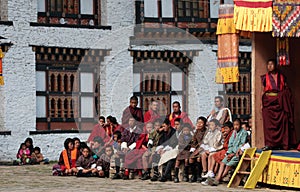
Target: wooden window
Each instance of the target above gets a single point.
(65, 97)
(70, 12)
(191, 8)
(239, 94)
(157, 79)
(67, 87)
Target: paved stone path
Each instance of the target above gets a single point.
(38, 178)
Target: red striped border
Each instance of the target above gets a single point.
(253, 4)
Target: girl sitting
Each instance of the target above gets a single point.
(68, 158)
(23, 155)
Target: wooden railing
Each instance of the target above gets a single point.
(63, 81)
(156, 82)
(239, 104)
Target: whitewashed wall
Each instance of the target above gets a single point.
(18, 95)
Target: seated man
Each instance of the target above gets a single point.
(167, 142)
(128, 142)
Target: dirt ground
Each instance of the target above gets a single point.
(39, 178)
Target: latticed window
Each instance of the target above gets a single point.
(191, 8)
(161, 76)
(67, 88)
(178, 8)
(69, 12)
(239, 94)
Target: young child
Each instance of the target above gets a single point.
(86, 164)
(103, 163)
(237, 139)
(23, 155)
(195, 160)
(97, 147)
(37, 157)
(217, 157)
(178, 126)
(151, 145)
(184, 147)
(212, 142)
(117, 141)
(68, 158)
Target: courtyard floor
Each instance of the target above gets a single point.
(39, 178)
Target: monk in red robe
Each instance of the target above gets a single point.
(277, 110)
(98, 130)
(177, 113)
(152, 114)
(132, 111)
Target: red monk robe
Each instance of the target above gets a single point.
(98, 130)
(151, 116)
(133, 160)
(182, 115)
(278, 117)
(135, 112)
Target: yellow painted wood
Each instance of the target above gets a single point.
(242, 166)
(258, 169)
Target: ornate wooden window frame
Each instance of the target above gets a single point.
(69, 15)
(55, 61)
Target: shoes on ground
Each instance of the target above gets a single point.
(209, 174)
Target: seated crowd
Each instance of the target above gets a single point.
(158, 148)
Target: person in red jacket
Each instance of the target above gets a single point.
(177, 113)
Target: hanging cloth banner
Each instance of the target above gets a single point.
(1, 74)
(228, 47)
(282, 51)
(286, 18)
(253, 15)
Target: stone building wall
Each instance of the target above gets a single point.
(18, 95)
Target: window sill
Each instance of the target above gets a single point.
(69, 26)
(5, 132)
(57, 132)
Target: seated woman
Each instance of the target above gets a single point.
(67, 159)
